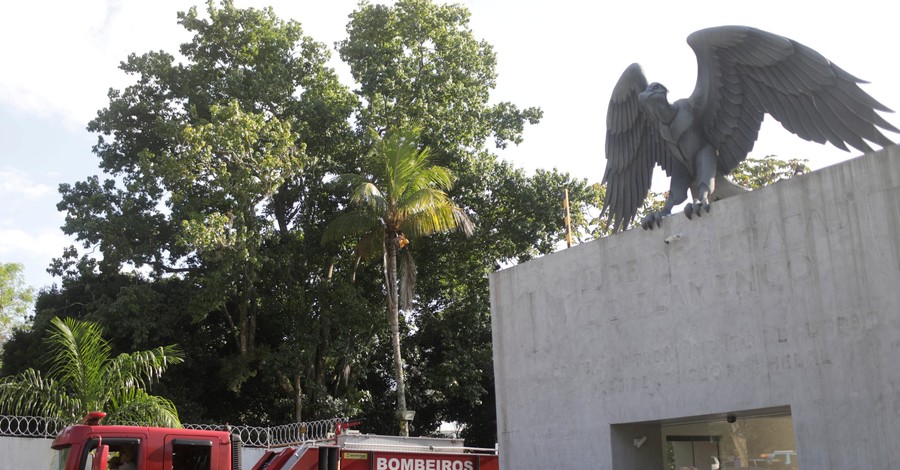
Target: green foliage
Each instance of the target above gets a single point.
(211, 153)
(220, 183)
(84, 377)
(755, 173)
(15, 298)
(403, 195)
(417, 61)
(403, 199)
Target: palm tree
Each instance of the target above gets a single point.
(83, 378)
(402, 198)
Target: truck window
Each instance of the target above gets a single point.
(123, 453)
(189, 454)
(122, 457)
(60, 457)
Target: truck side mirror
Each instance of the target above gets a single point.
(100, 458)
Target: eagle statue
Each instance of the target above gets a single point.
(743, 73)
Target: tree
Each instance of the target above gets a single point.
(217, 169)
(755, 173)
(223, 171)
(84, 377)
(15, 298)
(274, 323)
(418, 61)
(403, 198)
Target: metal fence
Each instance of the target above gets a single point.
(251, 436)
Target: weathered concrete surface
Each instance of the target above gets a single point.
(789, 295)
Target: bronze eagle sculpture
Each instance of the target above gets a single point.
(743, 73)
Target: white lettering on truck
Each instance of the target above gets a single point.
(383, 463)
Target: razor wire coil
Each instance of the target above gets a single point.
(251, 436)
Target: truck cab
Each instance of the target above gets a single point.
(90, 446)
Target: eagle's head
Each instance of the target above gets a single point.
(655, 92)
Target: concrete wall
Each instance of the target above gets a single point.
(25, 452)
(786, 296)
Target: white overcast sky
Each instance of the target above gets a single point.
(58, 58)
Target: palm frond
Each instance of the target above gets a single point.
(78, 355)
(433, 176)
(463, 222)
(398, 160)
(422, 200)
(135, 405)
(142, 368)
(371, 243)
(350, 224)
(436, 219)
(30, 394)
(368, 195)
(83, 378)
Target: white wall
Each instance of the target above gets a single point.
(25, 453)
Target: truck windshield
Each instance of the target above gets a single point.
(59, 458)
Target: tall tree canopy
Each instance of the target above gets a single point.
(418, 62)
(220, 180)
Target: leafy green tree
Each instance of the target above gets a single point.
(311, 344)
(755, 173)
(402, 198)
(15, 298)
(417, 61)
(85, 377)
(219, 164)
(221, 173)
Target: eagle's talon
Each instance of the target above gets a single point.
(696, 208)
(649, 219)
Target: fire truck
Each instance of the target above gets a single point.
(92, 446)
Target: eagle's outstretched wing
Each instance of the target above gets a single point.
(743, 73)
(633, 148)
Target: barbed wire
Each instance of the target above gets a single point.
(251, 436)
(282, 435)
(30, 426)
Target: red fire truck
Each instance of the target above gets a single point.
(92, 446)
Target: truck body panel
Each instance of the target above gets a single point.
(90, 446)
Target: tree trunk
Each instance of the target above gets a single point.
(298, 399)
(390, 279)
(246, 307)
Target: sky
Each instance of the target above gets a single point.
(58, 58)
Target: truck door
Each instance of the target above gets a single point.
(190, 454)
(119, 451)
